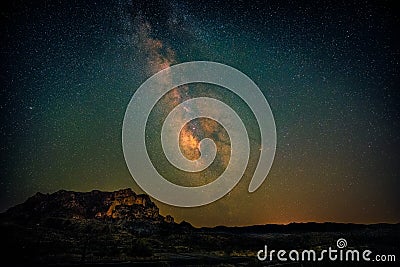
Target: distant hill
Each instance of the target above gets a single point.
(302, 227)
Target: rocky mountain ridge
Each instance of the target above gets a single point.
(123, 228)
(123, 204)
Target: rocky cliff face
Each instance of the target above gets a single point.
(119, 205)
(79, 227)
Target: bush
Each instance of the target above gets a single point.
(139, 248)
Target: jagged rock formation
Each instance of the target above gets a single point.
(123, 204)
(80, 227)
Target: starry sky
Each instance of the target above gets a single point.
(329, 70)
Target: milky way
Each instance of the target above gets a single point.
(329, 70)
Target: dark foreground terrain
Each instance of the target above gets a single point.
(125, 229)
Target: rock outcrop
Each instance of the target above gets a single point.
(123, 204)
(79, 227)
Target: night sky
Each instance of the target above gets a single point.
(329, 70)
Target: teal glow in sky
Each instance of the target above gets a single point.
(329, 70)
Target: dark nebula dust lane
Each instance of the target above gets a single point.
(329, 70)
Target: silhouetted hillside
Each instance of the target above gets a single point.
(123, 228)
